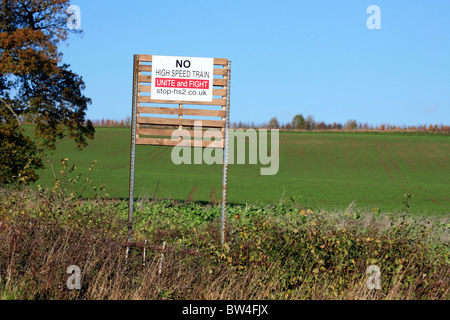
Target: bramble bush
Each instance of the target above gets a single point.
(20, 156)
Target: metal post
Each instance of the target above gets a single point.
(133, 150)
(225, 158)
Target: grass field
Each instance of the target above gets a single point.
(317, 170)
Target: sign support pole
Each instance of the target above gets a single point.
(225, 158)
(133, 150)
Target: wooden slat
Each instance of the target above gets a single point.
(182, 111)
(145, 57)
(220, 61)
(183, 122)
(156, 142)
(214, 102)
(216, 82)
(145, 79)
(220, 72)
(145, 68)
(181, 143)
(219, 92)
(168, 132)
(144, 88)
(161, 132)
(219, 82)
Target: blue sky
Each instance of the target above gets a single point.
(312, 57)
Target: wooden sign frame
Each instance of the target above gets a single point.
(157, 130)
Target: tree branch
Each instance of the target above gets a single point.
(8, 106)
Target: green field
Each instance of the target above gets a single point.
(317, 170)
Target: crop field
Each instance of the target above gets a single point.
(317, 170)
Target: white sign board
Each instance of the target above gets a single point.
(182, 78)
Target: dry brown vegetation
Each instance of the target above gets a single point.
(276, 252)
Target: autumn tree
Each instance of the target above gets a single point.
(351, 125)
(310, 123)
(273, 123)
(36, 84)
(298, 122)
(321, 126)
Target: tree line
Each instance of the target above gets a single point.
(300, 123)
(308, 123)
